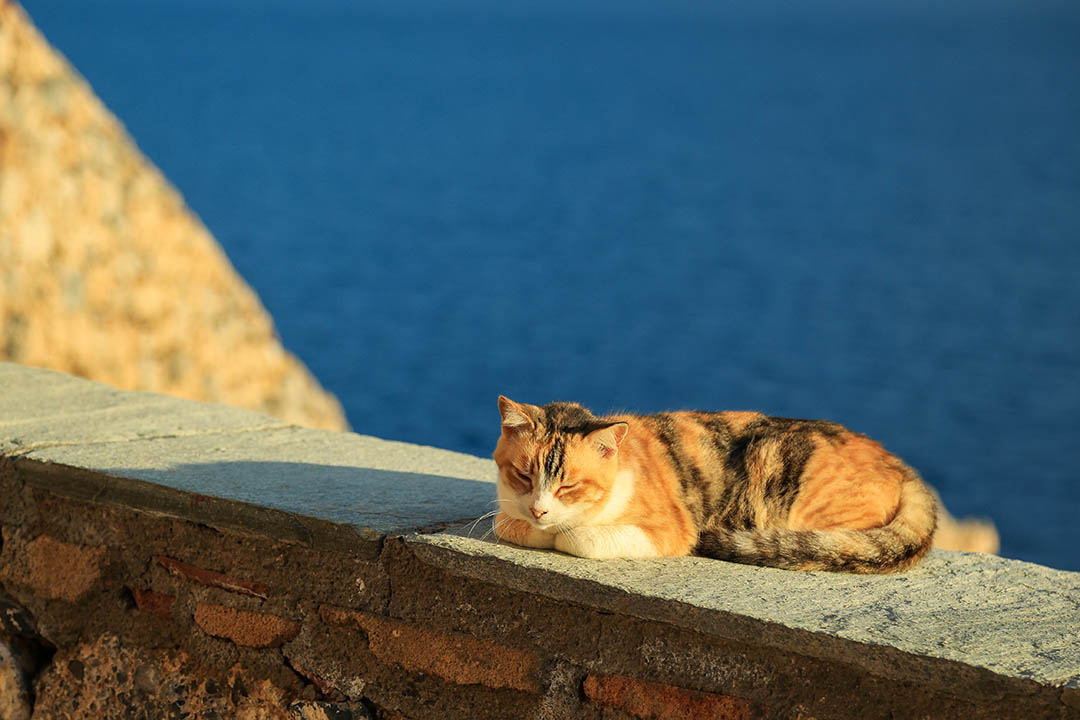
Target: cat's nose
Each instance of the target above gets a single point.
(537, 513)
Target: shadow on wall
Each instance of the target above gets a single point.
(385, 501)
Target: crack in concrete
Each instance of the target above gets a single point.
(26, 450)
(79, 413)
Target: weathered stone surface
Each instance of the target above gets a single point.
(1013, 618)
(233, 467)
(456, 657)
(214, 579)
(23, 652)
(428, 595)
(293, 571)
(14, 688)
(318, 710)
(108, 679)
(155, 603)
(340, 656)
(791, 684)
(43, 408)
(104, 272)
(660, 701)
(337, 660)
(53, 569)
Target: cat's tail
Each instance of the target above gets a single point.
(966, 534)
(892, 547)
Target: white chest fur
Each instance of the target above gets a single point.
(618, 499)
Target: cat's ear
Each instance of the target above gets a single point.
(514, 416)
(607, 440)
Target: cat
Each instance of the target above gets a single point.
(738, 486)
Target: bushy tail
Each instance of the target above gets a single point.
(966, 534)
(890, 548)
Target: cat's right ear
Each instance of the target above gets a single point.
(514, 416)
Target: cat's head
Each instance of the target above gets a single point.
(557, 462)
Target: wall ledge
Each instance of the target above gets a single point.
(353, 541)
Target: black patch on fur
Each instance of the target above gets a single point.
(563, 418)
(733, 508)
(554, 461)
(696, 488)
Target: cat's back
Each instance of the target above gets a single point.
(714, 435)
(745, 468)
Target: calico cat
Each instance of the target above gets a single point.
(740, 486)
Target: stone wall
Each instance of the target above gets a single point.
(104, 272)
(164, 558)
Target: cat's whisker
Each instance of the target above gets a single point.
(570, 532)
(495, 525)
(477, 521)
(473, 522)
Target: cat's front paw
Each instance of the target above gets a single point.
(572, 543)
(610, 541)
(520, 532)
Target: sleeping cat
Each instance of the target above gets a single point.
(740, 486)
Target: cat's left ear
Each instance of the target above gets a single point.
(607, 440)
(514, 416)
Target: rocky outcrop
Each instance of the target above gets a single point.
(104, 272)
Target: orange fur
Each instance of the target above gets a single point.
(851, 486)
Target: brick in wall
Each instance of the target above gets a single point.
(456, 657)
(213, 579)
(52, 568)
(659, 701)
(244, 627)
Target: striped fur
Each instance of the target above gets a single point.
(740, 486)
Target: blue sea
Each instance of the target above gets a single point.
(866, 212)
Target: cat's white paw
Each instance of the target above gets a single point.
(539, 539)
(606, 541)
(575, 544)
(520, 532)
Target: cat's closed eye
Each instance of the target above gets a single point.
(519, 480)
(568, 488)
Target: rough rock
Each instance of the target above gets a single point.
(107, 679)
(14, 690)
(104, 272)
(658, 701)
(316, 710)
